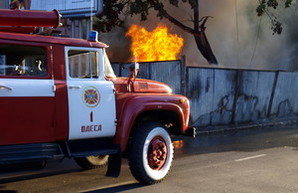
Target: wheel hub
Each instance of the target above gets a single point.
(157, 153)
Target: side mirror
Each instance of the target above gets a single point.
(134, 69)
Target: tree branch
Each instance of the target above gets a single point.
(196, 16)
(178, 23)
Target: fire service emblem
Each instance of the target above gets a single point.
(91, 96)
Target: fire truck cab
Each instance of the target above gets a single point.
(60, 98)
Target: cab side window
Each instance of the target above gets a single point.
(17, 60)
(82, 64)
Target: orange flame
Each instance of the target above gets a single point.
(158, 45)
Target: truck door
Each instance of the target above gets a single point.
(91, 99)
(27, 95)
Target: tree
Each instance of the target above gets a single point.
(114, 10)
(267, 7)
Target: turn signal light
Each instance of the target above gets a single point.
(182, 101)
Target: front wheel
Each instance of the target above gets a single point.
(150, 153)
(91, 162)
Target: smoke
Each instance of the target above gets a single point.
(238, 37)
(258, 48)
(118, 50)
(292, 38)
(241, 39)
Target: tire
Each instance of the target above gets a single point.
(92, 162)
(147, 166)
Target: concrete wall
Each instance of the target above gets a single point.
(232, 97)
(224, 97)
(285, 99)
(211, 93)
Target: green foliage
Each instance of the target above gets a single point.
(266, 4)
(109, 18)
(266, 7)
(114, 11)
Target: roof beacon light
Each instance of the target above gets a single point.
(93, 36)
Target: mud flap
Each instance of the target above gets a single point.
(114, 165)
(192, 131)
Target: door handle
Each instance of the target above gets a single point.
(5, 87)
(74, 87)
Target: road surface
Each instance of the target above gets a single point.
(246, 161)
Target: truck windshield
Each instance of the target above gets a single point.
(108, 70)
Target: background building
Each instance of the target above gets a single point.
(4, 4)
(77, 15)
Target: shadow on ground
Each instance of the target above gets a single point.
(118, 188)
(238, 140)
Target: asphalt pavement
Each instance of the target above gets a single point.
(249, 160)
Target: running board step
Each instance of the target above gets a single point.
(91, 147)
(28, 152)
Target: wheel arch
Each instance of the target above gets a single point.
(168, 118)
(135, 114)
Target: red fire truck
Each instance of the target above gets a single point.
(59, 98)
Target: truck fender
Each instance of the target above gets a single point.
(134, 107)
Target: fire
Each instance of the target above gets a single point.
(158, 45)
